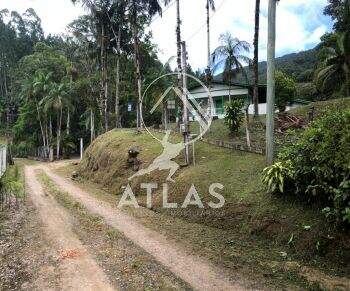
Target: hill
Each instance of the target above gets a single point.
(298, 65)
(240, 233)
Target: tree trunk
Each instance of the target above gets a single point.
(117, 83)
(179, 65)
(208, 33)
(347, 77)
(137, 66)
(256, 59)
(41, 126)
(59, 125)
(92, 126)
(68, 122)
(104, 81)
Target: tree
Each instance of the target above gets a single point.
(335, 56)
(285, 90)
(41, 88)
(57, 100)
(256, 58)
(102, 10)
(210, 5)
(231, 54)
(334, 70)
(335, 9)
(148, 8)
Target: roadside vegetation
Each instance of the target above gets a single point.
(250, 215)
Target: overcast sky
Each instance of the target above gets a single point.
(300, 23)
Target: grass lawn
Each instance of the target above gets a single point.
(253, 231)
(219, 130)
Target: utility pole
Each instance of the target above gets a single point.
(271, 47)
(186, 129)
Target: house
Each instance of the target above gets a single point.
(221, 92)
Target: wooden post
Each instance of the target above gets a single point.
(186, 132)
(271, 47)
(81, 148)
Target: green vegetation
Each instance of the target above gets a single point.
(53, 89)
(285, 90)
(234, 115)
(323, 177)
(249, 217)
(11, 187)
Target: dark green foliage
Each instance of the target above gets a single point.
(285, 90)
(234, 115)
(320, 162)
(307, 91)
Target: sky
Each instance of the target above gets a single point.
(300, 24)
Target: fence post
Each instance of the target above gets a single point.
(81, 148)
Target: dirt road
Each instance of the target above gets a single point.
(197, 272)
(79, 270)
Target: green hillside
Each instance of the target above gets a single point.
(250, 220)
(298, 65)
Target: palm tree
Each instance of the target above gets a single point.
(57, 100)
(137, 7)
(210, 5)
(336, 65)
(178, 43)
(102, 11)
(231, 55)
(256, 58)
(336, 60)
(41, 87)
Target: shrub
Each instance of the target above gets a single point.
(234, 114)
(285, 90)
(320, 163)
(275, 177)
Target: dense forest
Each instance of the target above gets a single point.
(56, 89)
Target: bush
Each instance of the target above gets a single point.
(277, 176)
(285, 90)
(234, 115)
(320, 163)
(307, 91)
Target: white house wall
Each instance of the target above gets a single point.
(217, 91)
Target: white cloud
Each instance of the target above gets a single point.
(237, 16)
(55, 14)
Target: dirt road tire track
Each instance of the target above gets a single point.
(197, 272)
(81, 272)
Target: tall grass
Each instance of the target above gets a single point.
(11, 188)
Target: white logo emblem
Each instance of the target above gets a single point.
(200, 112)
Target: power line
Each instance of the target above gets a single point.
(166, 9)
(203, 25)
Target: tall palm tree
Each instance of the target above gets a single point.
(336, 60)
(232, 56)
(57, 100)
(256, 58)
(335, 67)
(210, 5)
(41, 88)
(137, 7)
(102, 10)
(178, 43)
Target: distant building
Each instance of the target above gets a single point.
(221, 93)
